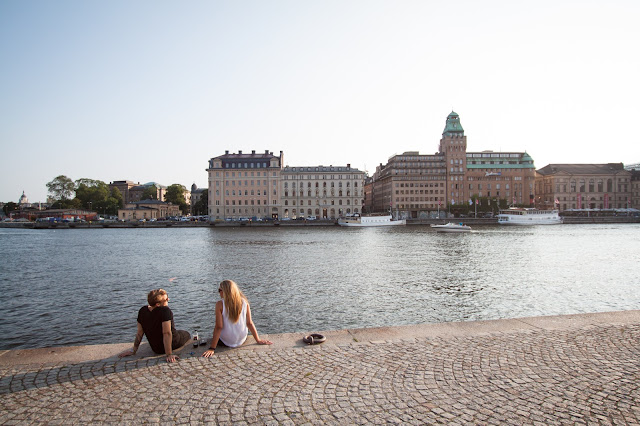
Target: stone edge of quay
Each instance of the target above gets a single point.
(378, 335)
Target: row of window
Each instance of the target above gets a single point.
(592, 187)
(333, 203)
(246, 192)
(324, 193)
(419, 185)
(422, 199)
(317, 185)
(321, 177)
(419, 191)
(246, 183)
(257, 165)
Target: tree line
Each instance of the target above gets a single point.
(95, 195)
(84, 193)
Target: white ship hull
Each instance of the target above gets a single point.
(522, 216)
(370, 221)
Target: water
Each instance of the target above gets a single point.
(85, 286)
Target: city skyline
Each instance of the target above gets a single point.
(151, 91)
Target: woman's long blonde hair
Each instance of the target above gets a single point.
(233, 298)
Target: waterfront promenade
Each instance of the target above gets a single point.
(573, 369)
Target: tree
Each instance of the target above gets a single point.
(175, 195)
(61, 188)
(9, 207)
(201, 207)
(91, 193)
(112, 203)
(150, 193)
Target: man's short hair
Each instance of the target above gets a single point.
(156, 296)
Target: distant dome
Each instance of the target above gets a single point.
(23, 199)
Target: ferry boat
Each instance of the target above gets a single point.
(357, 220)
(452, 227)
(528, 216)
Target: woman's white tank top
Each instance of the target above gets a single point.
(234, 335)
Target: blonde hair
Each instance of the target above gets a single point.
(156, 296)
(233, 298)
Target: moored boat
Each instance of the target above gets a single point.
(452, 227)
(358, 220)
(528, 216)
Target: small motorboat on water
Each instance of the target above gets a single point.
(452, 227)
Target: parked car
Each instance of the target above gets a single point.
(311, 218)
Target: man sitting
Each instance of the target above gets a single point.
(156, 322)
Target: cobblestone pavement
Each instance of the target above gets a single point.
(589, 374)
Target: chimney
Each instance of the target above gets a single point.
(226, 152)
(239, 152)
(348, 166)
(266, 151)
(253, 151)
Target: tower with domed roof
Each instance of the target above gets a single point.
(454, 147)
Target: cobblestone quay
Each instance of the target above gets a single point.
(574, 369)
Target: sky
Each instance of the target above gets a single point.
(151, 90)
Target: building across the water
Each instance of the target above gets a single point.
(133, 192)
(147, 210)
(415, 185)
(259, 186)
(584, 186)
(244, 185)
(326, 192)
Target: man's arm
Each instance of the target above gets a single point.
(167, 336)
(136, 343)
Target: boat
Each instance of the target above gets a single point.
(357, 220)
(452, 227)
(528, 216)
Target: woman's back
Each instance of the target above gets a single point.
(234, 334)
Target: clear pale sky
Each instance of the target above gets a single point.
(151, 90)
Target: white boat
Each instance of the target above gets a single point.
(358, 220)
(525, 216)
(452, 227)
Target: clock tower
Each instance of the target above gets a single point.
(453, 146)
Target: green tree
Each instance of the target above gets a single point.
(92, 194)
(150, 193)
(175, 195)
(9, 207)
(112, 203)
(67, 204)
(201, 207)
(61, 188)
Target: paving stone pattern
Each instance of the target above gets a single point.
(589, 375)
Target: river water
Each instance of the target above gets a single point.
(85, 286)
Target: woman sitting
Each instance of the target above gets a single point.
(233, 319)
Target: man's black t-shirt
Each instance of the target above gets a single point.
(151, 322)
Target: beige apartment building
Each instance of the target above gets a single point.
(583, 186)
(323, 192)
(244, 185)
(415, 185)
(257, 185)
